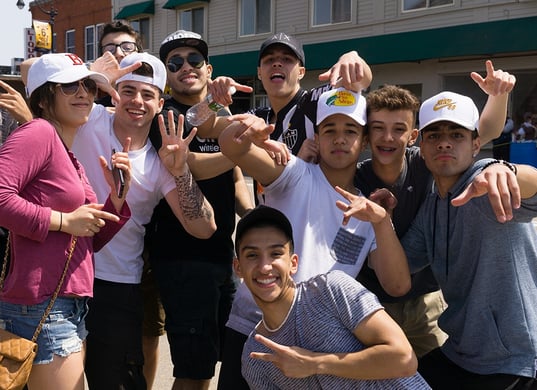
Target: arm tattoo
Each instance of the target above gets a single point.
(191, 198)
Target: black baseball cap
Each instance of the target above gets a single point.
(259, 217)
(182, 38)
(286, 40)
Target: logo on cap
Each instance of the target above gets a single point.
(342, 99)
(445, 103)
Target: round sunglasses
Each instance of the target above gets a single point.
(194, 59)
(70, 89)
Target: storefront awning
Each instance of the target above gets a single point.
(171, 4)
(145, 7)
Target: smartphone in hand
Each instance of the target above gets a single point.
(119, 179)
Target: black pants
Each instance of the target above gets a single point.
(441, 373)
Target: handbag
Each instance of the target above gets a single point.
(17, 354)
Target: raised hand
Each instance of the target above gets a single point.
(496, 82)
(351, 72)
(174, 150)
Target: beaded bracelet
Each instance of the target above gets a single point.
(512, 167)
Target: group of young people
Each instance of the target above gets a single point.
(424, 232)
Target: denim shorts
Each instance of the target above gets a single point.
(64, 329)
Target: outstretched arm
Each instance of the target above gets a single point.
(239, 142)
(497, 84)
(388, 354)
(389, 259)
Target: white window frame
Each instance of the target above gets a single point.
(146, 39)
(330, 4)
(182, 12)
(259, 15)
(70, 49)
(90, 48)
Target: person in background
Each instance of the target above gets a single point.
(196, 283)
(45, 202)
(327, 332)
(485, 268)
(13, 110)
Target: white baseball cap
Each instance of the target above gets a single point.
(449, 106)
(159, 70)
(60, 68)
(342, 101)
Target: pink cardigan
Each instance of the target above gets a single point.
(38, 175)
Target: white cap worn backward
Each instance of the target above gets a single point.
(342, 101)
(449, 106)
(159, 70)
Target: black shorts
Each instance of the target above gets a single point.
(114, 357)
(197, 297)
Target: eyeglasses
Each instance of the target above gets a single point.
(195, 60)
(126, 47)
(70, 89)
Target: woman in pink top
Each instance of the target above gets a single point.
(45, 201)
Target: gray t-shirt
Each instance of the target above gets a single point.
(326, 310)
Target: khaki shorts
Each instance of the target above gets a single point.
(418, 318)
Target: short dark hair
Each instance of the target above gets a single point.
(260, 217)
(119, 26)
(392, 98)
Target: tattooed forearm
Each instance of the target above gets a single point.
(191, 198)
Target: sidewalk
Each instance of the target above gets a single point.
(164, 377)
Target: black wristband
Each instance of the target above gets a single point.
(61, 220)
(512, 167)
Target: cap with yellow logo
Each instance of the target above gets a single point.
(342, 101)
(449, 106)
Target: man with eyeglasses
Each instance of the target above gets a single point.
(195, 281)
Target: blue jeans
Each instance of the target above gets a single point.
(63, 332)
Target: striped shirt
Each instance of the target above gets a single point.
(326, 310)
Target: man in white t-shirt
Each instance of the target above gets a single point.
(114, 357)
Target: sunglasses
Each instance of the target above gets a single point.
(70, 89)
(195, 60)
(126, 47)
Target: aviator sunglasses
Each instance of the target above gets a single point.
(194, 59)
(70, 89)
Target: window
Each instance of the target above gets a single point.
(90, 44)
(142, 27)
(331, 11)
(70, 41)
(411, 5)
(255, 16)
(193, 20)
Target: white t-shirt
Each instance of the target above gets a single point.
(322, 243)
(121, 259)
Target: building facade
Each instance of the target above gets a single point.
(424, 45)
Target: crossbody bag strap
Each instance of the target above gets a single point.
(58, 287)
